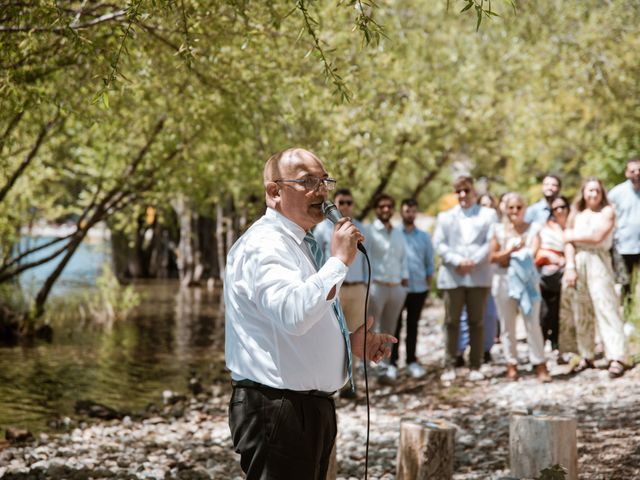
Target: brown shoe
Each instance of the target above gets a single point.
(512, 371)
(542, 373)
(616, 369)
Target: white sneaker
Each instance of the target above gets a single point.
(416, 370)
(475, 375)
(392, 372)
(449, 375)
(388, 375)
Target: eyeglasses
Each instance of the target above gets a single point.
(312, 183)
(465, 190)
(515, 207)
(560, 207)
(345, 202)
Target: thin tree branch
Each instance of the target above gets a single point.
(25, 163)
(428, 178)
(107, 17)
(12, 125)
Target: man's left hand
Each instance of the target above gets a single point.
(377, 343)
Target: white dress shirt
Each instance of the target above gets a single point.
(280, 330)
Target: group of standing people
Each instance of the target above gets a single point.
(294, 297)
(552, 263)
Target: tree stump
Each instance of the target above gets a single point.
(425, 450)
(538, 441)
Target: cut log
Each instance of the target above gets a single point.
(426, 449)
(538, 441)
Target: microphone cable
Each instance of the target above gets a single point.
(365, 361)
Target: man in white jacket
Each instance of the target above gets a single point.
(462, 239)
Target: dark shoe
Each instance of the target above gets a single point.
(616, 369)
(512, 372)
(459, 362)
(487, 358)
(542, 373)
(583, 365)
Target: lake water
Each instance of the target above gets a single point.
(81, 272)
(173, 334)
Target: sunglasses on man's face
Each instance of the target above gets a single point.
(465, 190)
(345, 202)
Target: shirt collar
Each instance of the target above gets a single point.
(292, 229)
(378, 225)
(472, 210)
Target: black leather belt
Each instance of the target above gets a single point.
(260, 386)
(353, 283)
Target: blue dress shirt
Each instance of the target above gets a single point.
(358, 269)
(539, 212)
(626, 202)
(388, 254)
(419, 258)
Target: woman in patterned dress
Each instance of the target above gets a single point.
(589, 270)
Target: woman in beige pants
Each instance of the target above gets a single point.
(589, 271)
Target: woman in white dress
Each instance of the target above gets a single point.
(516, 285)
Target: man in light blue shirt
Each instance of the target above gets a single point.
(390, 274)
(420, 260)
(540, 211)
(626, 202)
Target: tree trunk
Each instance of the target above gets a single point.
(537, 442)
(426, 450)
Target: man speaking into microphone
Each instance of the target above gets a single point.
(286, 341)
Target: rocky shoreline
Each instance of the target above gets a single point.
(189, 438)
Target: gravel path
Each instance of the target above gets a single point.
(190, 439)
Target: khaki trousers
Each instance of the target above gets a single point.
(475, 299)
(352, 298)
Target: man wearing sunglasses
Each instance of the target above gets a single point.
(354, 288)
(286, 341)
(462, 239)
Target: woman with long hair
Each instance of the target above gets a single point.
(550, 262)
(516, 285)
(589, 270)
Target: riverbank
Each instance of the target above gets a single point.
(190, 439)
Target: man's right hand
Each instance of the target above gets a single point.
(345, 240)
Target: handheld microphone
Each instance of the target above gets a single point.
(332, 214)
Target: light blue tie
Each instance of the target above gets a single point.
(318, 258)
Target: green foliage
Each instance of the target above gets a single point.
(112, 301)
(192, 97)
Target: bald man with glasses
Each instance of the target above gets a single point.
(287, 344)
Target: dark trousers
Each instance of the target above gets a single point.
(413, 304)
(550, 287)
(475, 299)
(281, 435)
(632, 262)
